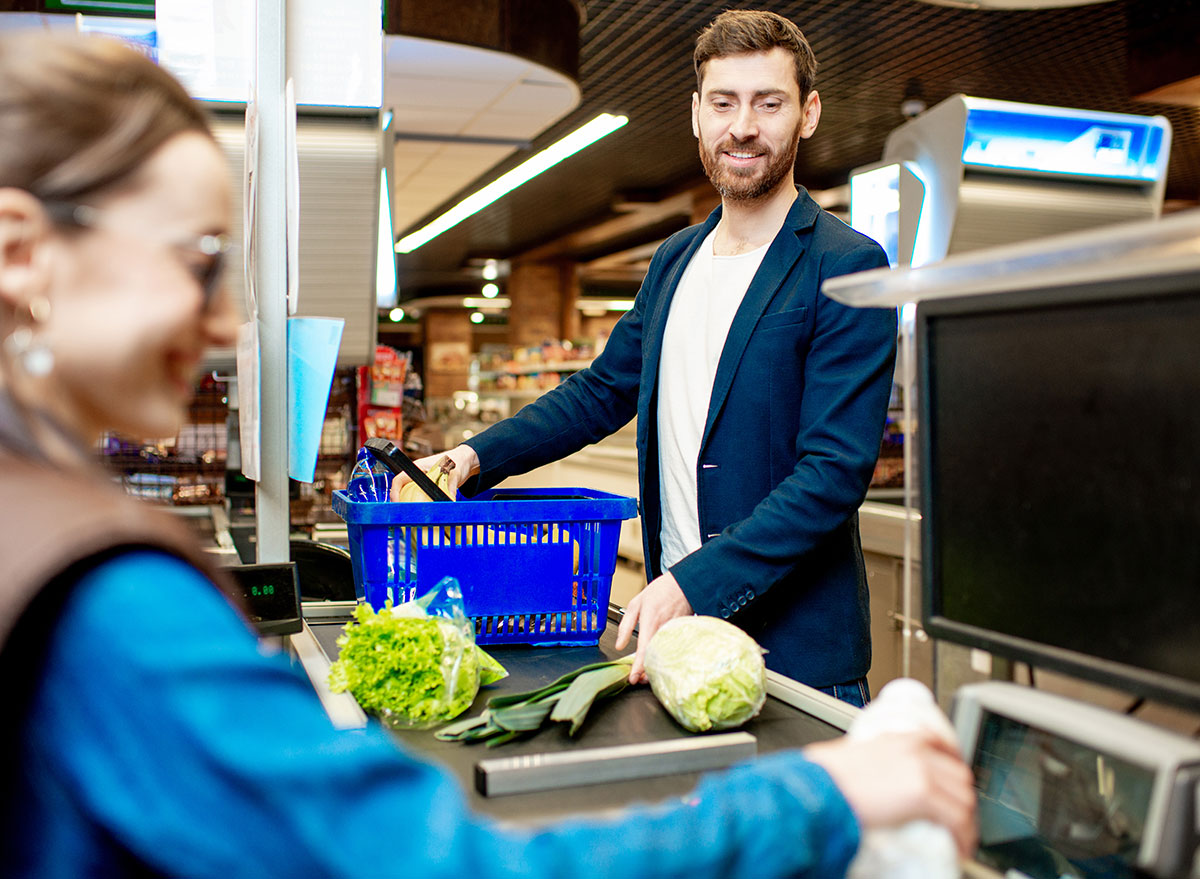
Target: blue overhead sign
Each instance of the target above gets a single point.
(1023, 137)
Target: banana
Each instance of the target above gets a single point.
(439, 474)
(549, 533)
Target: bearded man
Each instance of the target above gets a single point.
(760, 402)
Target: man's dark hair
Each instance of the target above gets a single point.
(741, 31)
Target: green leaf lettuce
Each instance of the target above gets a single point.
(410, 671)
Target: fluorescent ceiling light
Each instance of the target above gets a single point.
(602, 125)
(490, 304)
(591, 306)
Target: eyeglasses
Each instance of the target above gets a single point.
(208, 274)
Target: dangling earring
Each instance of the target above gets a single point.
(34, 358)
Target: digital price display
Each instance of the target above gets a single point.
(1069, 790)
(271, 595)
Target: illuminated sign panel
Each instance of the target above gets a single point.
(1080, 143)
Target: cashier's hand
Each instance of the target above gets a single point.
(895, 779)
(466, 465)
(661, 600)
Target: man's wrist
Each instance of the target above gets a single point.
(468, 459)
(683, 573)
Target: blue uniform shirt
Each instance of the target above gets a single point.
(161, 734)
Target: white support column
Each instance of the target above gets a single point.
(272, 512)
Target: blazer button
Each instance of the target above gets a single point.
(742, 601)
(725, 613)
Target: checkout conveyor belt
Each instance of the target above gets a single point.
(633, 717)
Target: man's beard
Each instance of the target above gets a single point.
(735, 186)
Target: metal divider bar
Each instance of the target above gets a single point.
(341, 707)
(833, 711)
(549, 771)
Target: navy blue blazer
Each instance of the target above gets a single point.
(794, 424)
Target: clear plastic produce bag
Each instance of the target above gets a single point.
(371, 481)
(415, 665)
(362, 485)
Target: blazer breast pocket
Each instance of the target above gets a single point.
(778, 319)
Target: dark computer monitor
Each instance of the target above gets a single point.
(1059, 434)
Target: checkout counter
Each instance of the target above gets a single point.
(1060, 784)
(1067, 788)
(793, 716)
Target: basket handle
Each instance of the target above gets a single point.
(395, 460)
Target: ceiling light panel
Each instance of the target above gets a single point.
(584, 136)
(444, 90)
(537, 98)
(425, 179)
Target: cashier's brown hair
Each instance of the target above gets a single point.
(741, 31)
(80, 115)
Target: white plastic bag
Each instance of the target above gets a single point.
(918, 849)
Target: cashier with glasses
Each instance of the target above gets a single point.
(145, 731)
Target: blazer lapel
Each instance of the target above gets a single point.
(656, 323)
(780, 257)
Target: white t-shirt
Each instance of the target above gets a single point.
(710, 291)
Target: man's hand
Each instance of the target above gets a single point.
(466, 465)
(895, 779)
(661, 600)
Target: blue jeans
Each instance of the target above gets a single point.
(855, 693)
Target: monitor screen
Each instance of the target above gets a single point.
(1054, 809)
(1060, 479)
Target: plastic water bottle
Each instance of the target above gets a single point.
(918, 849)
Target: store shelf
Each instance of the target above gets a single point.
(514, 394)
(164, 466)
(535, 368)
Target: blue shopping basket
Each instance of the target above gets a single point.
(535, 564)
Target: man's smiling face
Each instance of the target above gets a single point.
(749, 119)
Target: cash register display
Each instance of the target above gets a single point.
(1051, 808)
